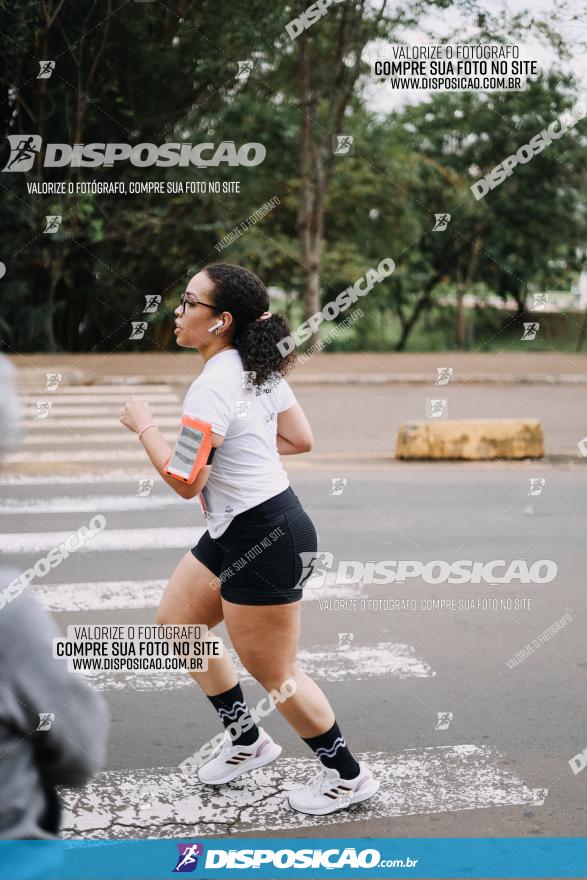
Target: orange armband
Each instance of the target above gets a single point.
(192, 449)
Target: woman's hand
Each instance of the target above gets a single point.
(136, 415)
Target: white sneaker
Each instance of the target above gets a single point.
(233, 761)
(328, 792)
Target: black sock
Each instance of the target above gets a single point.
(333, 751)
(232, 709)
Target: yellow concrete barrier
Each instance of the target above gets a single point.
(470, 439)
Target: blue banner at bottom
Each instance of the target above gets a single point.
(202, 858)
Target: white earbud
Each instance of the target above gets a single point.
(215, 326)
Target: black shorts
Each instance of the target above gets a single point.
(257, 559)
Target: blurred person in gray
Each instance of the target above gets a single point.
(53, 726)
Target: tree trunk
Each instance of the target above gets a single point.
(308, 228)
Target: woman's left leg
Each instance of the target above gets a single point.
(266, 639)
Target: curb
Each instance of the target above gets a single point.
(29, 377)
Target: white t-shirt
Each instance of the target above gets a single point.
(246, 469)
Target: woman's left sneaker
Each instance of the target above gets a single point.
(230, 762)
(329, 792)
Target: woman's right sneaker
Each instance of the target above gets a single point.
(234, 761)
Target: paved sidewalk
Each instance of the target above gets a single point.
(371, 368)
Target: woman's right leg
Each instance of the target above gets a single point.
(189, 598)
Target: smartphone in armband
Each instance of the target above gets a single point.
(193, 450)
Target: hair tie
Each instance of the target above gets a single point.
(264, 316)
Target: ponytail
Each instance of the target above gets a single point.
(256, 332)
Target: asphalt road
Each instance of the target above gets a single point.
(498, 767)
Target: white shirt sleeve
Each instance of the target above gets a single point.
(283, 396)
(213, 405)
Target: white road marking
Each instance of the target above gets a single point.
(117, 539)
(122, 595)
(90, 503)
(137, 390)
(64, 455)
(100, 595)
(59, 411)
(90, 422)
(118, 399)
(63, 438)
(382, 660)
(128, 475)
(163, 802)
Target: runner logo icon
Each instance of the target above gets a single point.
(187, 859)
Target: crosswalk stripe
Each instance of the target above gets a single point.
(67, 438)
(89, 504)
(88, 397)
(83, 456)
(117, 539)
(90, 422)
(135, 390)
(122, 595)
(162, 801)
(127, 475)
(64, 455)
(59, 411)
(380, 660)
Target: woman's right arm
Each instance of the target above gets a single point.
(294, 434)
(159, 451)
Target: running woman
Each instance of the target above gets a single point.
(246, 497)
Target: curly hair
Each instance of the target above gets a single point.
(243, 294)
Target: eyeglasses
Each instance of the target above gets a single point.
(192, 302)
